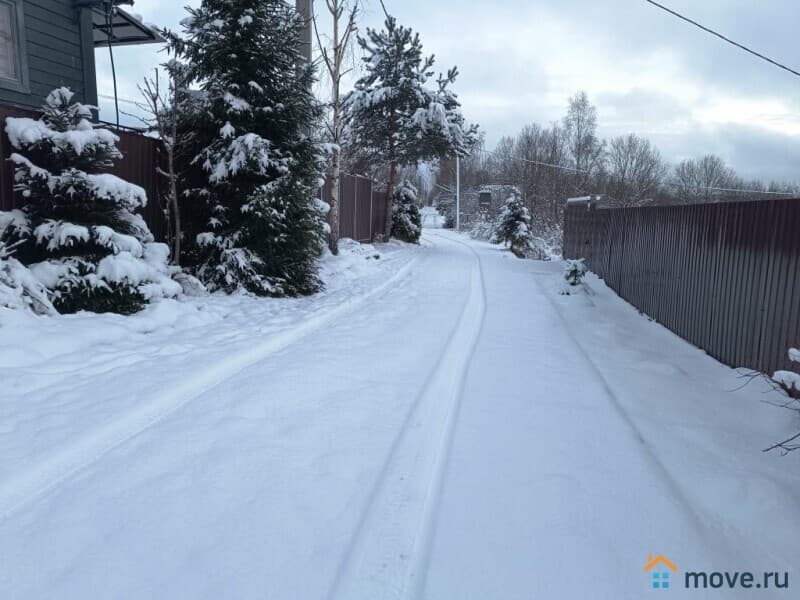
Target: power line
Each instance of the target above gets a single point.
(720, 189)
(126, 100)
(726, 39)
(534, 162)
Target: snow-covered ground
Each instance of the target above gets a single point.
(440, 423)
(431, 219)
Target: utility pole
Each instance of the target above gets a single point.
(304, 10)
(458, 193)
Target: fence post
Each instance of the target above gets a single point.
(355, 209)
(339, 212)
(371, 203)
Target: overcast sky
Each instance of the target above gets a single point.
(646, 71)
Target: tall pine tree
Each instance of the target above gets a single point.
(394, 116)
(78, 231)
(251, 171)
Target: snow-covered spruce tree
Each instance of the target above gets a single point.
(78, 232)
(514, 226)
(393, 116)
(406, 218)
(252, 170)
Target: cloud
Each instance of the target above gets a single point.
(648, 72)
(756, 153)
(644, 111)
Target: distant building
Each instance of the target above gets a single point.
(475, 200)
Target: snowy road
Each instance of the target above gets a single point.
(461, 432)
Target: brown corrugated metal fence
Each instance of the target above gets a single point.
(723, 276)
(362, 208)
(139, 165)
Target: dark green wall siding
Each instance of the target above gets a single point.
(58, 54)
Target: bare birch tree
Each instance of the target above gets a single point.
(584, 146)
(161, 104)
(343, 16)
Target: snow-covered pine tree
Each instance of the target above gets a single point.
(406, 218)
(78, 232)
(394, 117)
(252, 171)
(514, 226)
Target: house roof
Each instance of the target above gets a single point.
(125, 29)
(652, 561)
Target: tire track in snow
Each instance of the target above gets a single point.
(40, 478)
(385, 558)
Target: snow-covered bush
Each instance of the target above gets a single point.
(546, 242)
(514, 226)
(483, 227)
(446, 205)
(18, 287)
(574, 271)
(789, 380)
(406, 218)
(250, 168)
(78, 232)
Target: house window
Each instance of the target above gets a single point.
(12, 73)
(8, 54)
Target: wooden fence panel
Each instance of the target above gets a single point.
(723, 276)
(139, 165)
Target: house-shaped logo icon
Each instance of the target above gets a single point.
(659, 568)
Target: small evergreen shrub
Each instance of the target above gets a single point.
(78, 232)
(574, 272)
(406, 218)
(514, 226)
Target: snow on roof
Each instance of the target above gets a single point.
(588, 199)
